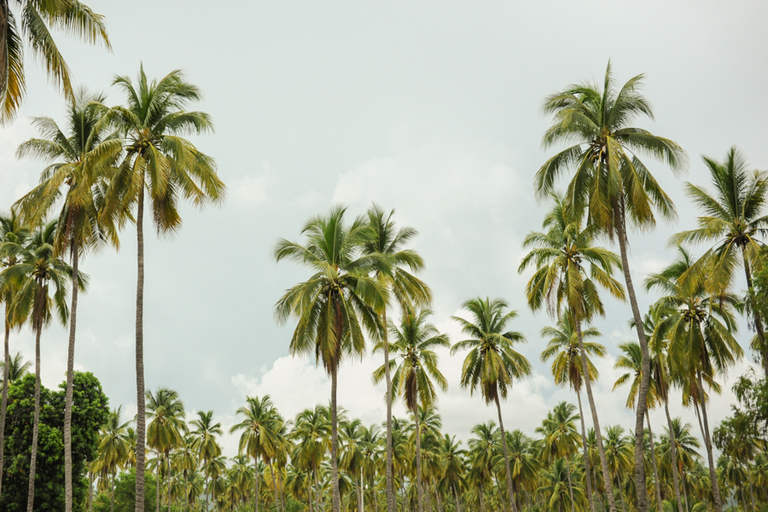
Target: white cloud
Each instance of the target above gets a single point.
(251, 191)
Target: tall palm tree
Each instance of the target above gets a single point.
(492, 364)
(333, 303)
(561, 281)
(37, 18)
(13, 236)
(259, 438)
(733, 219)
(561, 439)
(700, 332)
(417, 373)
(563, 349)
(83, 153)
(612, 182)
(163, 166)
(208, 448)
(395, 270)
(165, 431)
(36, 270)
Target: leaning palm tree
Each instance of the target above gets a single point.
(395, 269)
(163, 167)
(733, 219)
(333, 303)
(417, 373)
(165, 431)
(36, 19)
(569, 269)
(613, 183)
(37, 269)
(492, 364)
(83, 154)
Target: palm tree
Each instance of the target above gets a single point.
(561, 439)
(562, 255)
(312, 433)
(563, 349)
(613, 183)
(82, 153)
(557, 487)
(619, 455)
(678, 448)
(113, 448)
(36, 17)
(167, 167)
(333, 303)
(351, 457)
(208, 449)
(483, 450)
(454, 467)
(395, 270)
(37, 268)
(491, 364)
(700, 331)
(17, 368)
(416, 374)
(732, 220)
(260, 428)
(165, 430)
(185, 459)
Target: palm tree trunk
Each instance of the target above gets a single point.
(140, 400)
(335, 496)
(36, 421)
(657, 483)
(70, 381)
(587, 473)
(506, 457)
(685, 494)
(755, 312)
(274, 485)
(4, 400)
(751, 490)
(595, 421)
(457, 498)
(570, 485)
(112, 495)
(419, 490)
(708, 444)
(621, 497)
(481, 497)
(89, 506)
(157, 487)
(256, 484)
(361, 502)
(390, 486)
(645, 376)
(673, 451)
(439, 500)
(4, 21)
(168, 475)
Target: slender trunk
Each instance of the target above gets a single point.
(621, 497)
(335, 496)
(390, 485)
(657, 482)
(168, 475)
(570, 485)
(743, 499)
(4, 401)
(755, 312)
(37, 312)
(645, 376)
(673, 452)
(274, 485)
(158, 485)
(374, 493)
(708, 443)
(256, 484)
(4, 22)
(317, 492)
(70, 381)
(140, 400)
(587, 473)
(89, 506)
(457, 498)
(506, 457)
(425, 491)
(439, 500)
(482, 500)
(685, 494)
(112, 495)
(751, 490)
(419, 491)
(361, 502)
(595, 421)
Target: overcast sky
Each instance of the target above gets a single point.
(430, 108)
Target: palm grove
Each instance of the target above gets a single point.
(106, 165)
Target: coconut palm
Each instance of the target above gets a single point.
(312, 433)
(491, 364)
(162, 166)
(351, 456)
(82, 155)
(612, 182)
(733, 220)
(185, 459)
(395, 270)
(113, 449)
(557, 489)
(259, 438)
(682, 444)
(560, 439)
(17, 368)
(37, 18)
(700, 333)
(483, 449)
(38, 268)
(454, 468)
(333, 303)
(208, 449)
(165, 430)
(563, 281)
(618, 451)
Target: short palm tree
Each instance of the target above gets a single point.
(561, 439)
(612, 182)
(164, 167)
(416, 374)
(483, 450)
(208, 449)
(454, 468)
(492, 364)
(165, 431)
(36, 19)
(557, 488)
(334, 304)
(113, 448)
(312, 433)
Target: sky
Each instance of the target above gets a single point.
(432, 109)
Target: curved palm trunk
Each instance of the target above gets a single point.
(70, 381)
(755, 313)
(390, 486)
(4, 401)
(645, 376)
(595, 421)
(419, 489)
(708, 444)
(141, 426)
(673, 450)
(512, 505)
(38, 320)
(587, 474)
(657, 483)
(335, 496)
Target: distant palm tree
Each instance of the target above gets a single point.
(17, 368)
(683, 444)
(618, 451)
(208, 448)
(185, 459)
(491, 364)
(561, 439)
(312, 433)
(454, 467)
(483, 449)
(557, 488)
(165, 431)
(113, 449)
